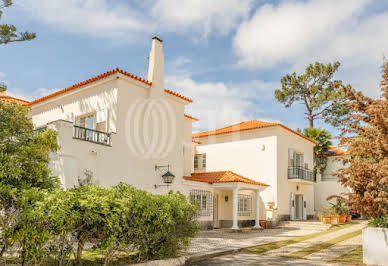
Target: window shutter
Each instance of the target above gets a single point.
(102, 116)
(290, 157)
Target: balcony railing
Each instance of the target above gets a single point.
(298, 172)
(92, 135)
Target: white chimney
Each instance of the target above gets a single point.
(156, 68)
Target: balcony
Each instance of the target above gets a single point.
(298, 173)
(91, 135)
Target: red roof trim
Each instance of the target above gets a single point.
(10, 99)
(178, 95)
(99, 77)
(191, 117)
(236, 128)
(222, 177)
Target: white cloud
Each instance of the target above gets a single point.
(301, 32)
(121, 21)
(215, 103)
(293, 29)
(203, 16)
(98, 18)
(2, 77)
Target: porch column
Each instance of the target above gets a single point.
(235, 209)
(257, 220)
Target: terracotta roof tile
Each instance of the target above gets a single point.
(334, 151)
(192, 118)
(179, 95)
(247, 125)
(222, 177)
(9, 99)
(99, 77)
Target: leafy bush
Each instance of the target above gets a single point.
(381, 222)
(114, 219)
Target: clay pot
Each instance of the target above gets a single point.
(348, 218)
(342, 219)
(326, 219)
(334, 219)
(263, 223)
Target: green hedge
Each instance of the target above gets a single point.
(54, 225)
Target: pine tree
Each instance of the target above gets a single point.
(8, 32)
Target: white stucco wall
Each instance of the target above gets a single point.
(262, 155)
(328, 184)
(118, 163)
(288, 140)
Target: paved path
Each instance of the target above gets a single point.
(337, 250)
(314, 241)
(214, 241)
(241, 259)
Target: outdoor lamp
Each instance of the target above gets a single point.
(168, 177)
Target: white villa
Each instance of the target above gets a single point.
(117, 127)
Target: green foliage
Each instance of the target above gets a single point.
(117, 219)
(381, 221)
(339, 207)
(3, 87)
(8, 32)
(24, 158)
(24, 155)
(321, 150)
(317, 91)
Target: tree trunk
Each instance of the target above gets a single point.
(80, 248)
(311, 120)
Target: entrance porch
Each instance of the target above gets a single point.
(231, 201)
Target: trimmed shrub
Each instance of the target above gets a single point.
(113, 219)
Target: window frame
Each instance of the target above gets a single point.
(244, 205)
(204, 200)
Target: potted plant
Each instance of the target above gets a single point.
(339, 207)
(325, 215)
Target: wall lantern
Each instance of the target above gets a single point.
(167, 177)
(226, 198)
(297, 188)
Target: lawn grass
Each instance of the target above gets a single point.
(282, 243)
(354, 257)
(324, 245)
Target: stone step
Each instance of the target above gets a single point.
(315, 225)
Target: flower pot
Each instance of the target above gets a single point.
(348, 218)
(326, 219)
(334, 219)
(263, 223)
(375, 245)
(342, 219)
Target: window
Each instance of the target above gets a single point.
(244, 205)
(295, 159)
(204, 200)
(199, 161)
(196, 161)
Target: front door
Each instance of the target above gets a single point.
(298, 207)
(215, 211)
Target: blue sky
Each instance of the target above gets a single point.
(227, 55)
